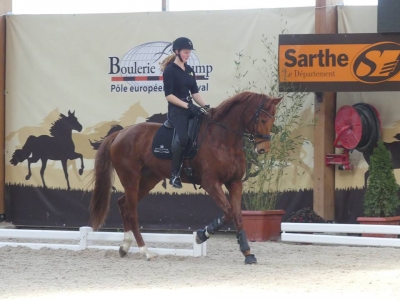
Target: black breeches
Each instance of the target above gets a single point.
(180, 121)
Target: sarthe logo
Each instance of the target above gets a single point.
(377, 63)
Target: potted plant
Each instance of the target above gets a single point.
(265, 174)
(381, 199)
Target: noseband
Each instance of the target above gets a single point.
(264, 137)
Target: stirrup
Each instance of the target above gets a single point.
(175, 181)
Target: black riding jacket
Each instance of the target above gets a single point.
(179, 82)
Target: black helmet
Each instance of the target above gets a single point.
(182, 43)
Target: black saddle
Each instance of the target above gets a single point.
(164, 136)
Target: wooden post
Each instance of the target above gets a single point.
(324, 132)
(5, 7)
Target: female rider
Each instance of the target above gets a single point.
(179, 83)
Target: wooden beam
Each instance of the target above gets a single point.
(5, 7)
(324, 132)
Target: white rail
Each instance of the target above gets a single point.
(298, 232)
(85, 237)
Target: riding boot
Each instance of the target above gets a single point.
(177, 156)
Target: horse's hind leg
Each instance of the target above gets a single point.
(235, 192)
(130, 217)
(126, 221)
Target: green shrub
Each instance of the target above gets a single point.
(381, 198)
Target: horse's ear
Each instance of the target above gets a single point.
(276, 100)
(69, 112)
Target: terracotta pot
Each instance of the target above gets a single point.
(379, 221)
(261, 226)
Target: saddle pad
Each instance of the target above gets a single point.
(162, 141)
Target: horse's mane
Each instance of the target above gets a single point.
(223, 109)
(57, 126)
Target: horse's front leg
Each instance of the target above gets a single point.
(80, 156)
(64, 165)
(44, 164)
(218, 195)
(235, 189)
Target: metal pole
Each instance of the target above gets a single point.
(165, 5)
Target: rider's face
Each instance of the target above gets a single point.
(185, 54)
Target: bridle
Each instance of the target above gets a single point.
(250, 136)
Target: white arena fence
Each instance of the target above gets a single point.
(84, 238)
(321, 233)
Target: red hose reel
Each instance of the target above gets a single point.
(349, 132)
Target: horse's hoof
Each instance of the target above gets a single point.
(80, 171)
(250, 259)
(201, 236)
(122, 252)
(151, 257)
(27, 177)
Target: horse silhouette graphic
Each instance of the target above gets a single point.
(58, 146)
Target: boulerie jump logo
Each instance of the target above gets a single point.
(140, 69)
(377, 63)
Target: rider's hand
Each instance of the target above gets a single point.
(207, 107)
(197, 110)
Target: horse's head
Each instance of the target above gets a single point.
(73, 121)
(261, 124)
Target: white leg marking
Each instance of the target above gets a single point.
(149, 255)
(206, 233)
(128, 239)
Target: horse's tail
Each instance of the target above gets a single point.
(21, 154)
(103, 180)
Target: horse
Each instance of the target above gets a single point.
(58, 146)
(220, 160)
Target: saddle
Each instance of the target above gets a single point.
(165, 135)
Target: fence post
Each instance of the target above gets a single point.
(83, 234)
(198, 249)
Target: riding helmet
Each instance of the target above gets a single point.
(182, 43)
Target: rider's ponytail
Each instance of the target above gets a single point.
(167, 61)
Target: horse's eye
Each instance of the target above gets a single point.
(263, 121)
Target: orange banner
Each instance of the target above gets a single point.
(364, 63)
(339, 62)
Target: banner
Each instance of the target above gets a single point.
(340, 62)
(78, 78)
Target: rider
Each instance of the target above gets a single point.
(179, 83)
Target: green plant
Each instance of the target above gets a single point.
(381, 198)
(305, 215)
(265, 174)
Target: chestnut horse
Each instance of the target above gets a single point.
(220, 161)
